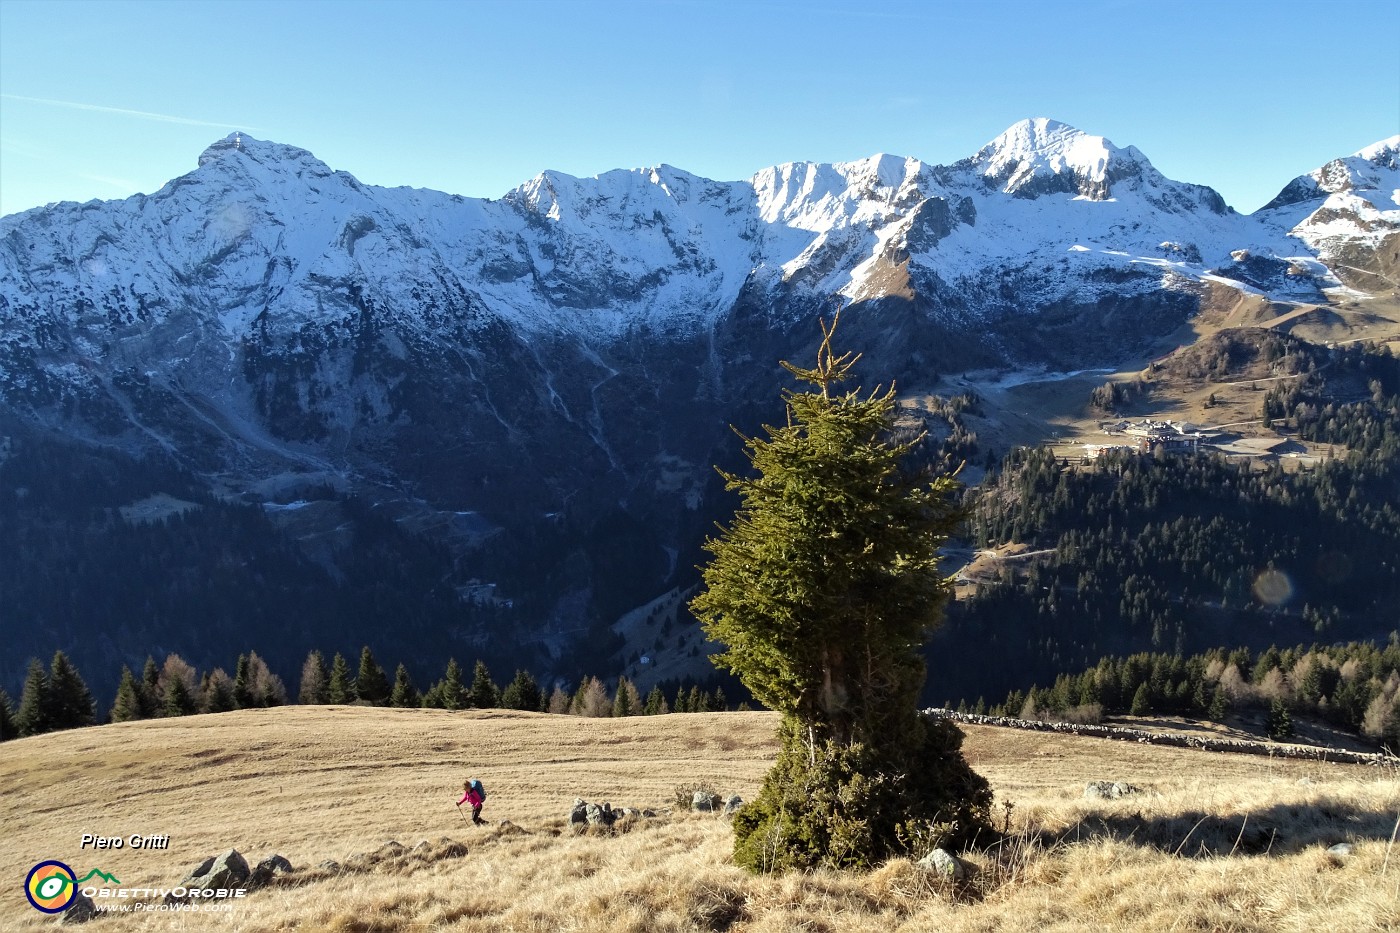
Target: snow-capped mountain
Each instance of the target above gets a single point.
(574, 350)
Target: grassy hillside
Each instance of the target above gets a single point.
(1216, 842)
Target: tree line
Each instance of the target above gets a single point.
(1355, 686)
(56, 697)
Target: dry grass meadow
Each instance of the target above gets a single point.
(1217, 842)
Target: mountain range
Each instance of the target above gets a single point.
(540, 384)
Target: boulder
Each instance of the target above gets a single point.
(1109, 790)
(602, 816)
(704, 801)
(733, 804)
(329, 865)
(648, 813)
(578, 816)
(1340, 851)
(265, 870)
(944, 864)
(229, 870)
(81, 910)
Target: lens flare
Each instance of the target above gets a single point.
(1273, 588)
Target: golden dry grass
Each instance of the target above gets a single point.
(1217, 842)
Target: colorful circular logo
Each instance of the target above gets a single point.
(51, 887)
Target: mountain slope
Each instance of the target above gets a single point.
(549, 376)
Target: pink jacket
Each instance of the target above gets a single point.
(472, 797)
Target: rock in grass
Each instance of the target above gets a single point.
(733, 804)
(229, 870)
(578, 816)
(1340, 851)
(704, 801)
(944, 864)
(600, 816)
(266, 869)
(1109, 790)
(81, 910)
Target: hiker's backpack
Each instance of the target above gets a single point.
(476, 786)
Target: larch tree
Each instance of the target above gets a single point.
(314, 689)
(823, 590)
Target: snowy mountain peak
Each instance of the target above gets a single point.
(1385, 153)
(263, 152)
(1372, 173)
(1044, 156)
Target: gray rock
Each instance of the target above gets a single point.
(1109, 790)
(733, 804)
(944, 864)
(229, 870)
(600, 815)
(704, 801)
(268, 868)
(578, 816)
(1341, 850)
(649, 814)
(81, 910)
(330, 864)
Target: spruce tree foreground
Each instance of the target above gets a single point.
(822, 590)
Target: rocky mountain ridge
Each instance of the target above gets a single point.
(564, 361)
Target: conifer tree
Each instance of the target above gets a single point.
(127, 706)
(315, 688)
(33, 717)
(1279, 723)
(341, 689)
(656, 703)
(450, 690)
(559, 702)
(522, 693)
(822, 590)
(8, 728)
(71, 703)
(592, 699)
(150, 689)
(695, 701)
(1219, 705)
(404, 695)
(484, 693)
(371, 685)
(264, 687)
(1142, 701)
(242, 684)
(178, 699)
(216, 694)
(626, 702)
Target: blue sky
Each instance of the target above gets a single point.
(101, 100)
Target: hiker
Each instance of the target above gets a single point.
(474, 794)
